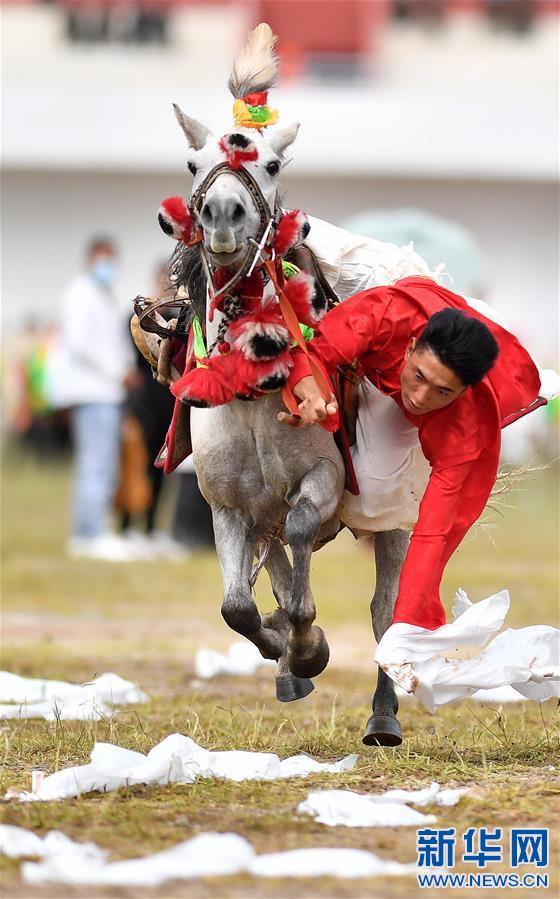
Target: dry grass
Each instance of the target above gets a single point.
(72, 620)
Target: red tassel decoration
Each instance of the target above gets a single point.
(203, 385)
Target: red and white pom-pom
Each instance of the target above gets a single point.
(292, 228)
(175, 219)
(238, 148)
(260, 335)
(274, 374)
(299, 291)
(269, 374)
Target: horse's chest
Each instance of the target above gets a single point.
(243, 461)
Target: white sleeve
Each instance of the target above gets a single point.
(353, 263)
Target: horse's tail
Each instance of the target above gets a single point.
(256, 66)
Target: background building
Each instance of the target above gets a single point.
(448, 107)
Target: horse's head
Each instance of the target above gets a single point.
(228, 211)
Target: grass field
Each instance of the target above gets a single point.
(71, 620)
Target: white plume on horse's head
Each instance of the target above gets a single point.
(256, 66)
(228, 215)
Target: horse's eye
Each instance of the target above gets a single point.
(192, 168)
(273, 168)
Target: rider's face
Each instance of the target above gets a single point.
(426, 383)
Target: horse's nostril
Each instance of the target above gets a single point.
(238, 212)
(206, 214)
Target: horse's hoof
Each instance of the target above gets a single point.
(382, 730)
(316, 664)
(289, 687)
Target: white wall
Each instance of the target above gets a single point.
(48, 217)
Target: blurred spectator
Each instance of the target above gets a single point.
(192, 523)
(149, 411)
(32, 417)
(99, 368)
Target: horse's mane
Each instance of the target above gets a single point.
(255, 68)
(186, 275)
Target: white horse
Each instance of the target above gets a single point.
(265, 481)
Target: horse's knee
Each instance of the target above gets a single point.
(301, 615)
(240, 613)
(302, 522)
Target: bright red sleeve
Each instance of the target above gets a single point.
(455, 497)
(348, 331)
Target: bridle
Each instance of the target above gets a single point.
(259, 253)
(268, 219)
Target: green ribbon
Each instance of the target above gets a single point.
(289, 269)
(199, 343)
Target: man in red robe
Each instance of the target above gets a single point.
(458, 377)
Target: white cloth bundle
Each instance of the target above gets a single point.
(177, 759)
(240, 659)
(527, 659)
(30, 697)
(207, 855)
(389, 809)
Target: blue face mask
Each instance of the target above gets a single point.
(105, 270)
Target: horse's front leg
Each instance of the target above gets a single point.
(391, 547)
(288, 686)
(313, 503)
(235, 547)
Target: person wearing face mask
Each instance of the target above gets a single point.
(99, 368)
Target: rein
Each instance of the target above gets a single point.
(292, 324)
(145, 308)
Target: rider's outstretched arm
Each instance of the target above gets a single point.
(347, 332)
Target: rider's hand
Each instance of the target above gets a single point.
(312, 410)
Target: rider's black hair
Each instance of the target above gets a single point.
(462, 343)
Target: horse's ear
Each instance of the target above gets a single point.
(196, 133)
(279, 139)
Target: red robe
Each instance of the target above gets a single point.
(461, 442)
